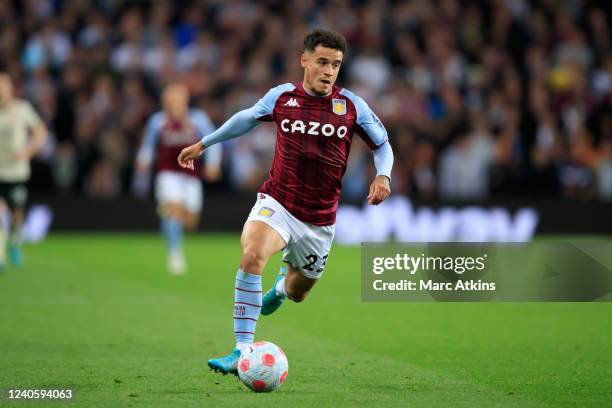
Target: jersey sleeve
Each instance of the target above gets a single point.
(367, 125)
(149, 140)
(245, 120)
(264, 108)
(383, 160)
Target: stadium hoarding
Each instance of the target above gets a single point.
(511, 217)
(483, 272)
(398, 219)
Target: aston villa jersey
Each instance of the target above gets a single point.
(313, 141)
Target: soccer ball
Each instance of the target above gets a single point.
(263, 367)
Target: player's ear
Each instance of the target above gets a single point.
(303, 60)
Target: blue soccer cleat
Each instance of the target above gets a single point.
(227, 364)
(271, 301)
(15, 255)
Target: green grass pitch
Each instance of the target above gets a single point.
(99, 314)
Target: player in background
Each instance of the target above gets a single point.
(178, 191)
(296, 207)
(22, 135)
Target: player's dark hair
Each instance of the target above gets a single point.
(325, 38)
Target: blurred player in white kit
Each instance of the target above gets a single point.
(22, 134)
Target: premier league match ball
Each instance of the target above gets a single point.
(263, 367)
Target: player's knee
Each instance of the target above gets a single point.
(252, 261)
(172, 210)
(190, 219)
(190, 223)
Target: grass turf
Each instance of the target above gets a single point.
(99, 314)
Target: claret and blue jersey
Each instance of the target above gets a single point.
(313, 142)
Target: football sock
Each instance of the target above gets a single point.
(247, 304)
(280, 288)
(172, 230)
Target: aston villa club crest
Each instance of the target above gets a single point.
(339, 106)
(266, 212)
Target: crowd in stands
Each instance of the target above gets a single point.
(509, 97)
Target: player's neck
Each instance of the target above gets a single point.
(179, 117)
(312, 93)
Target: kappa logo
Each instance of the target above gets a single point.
(293, 103)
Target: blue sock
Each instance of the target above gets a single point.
(172, 230)
(247, 304)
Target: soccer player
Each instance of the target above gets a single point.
(22, 134)
(178, 191)
(296, 207)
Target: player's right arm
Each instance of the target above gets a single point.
(237, 125)
(189, 154)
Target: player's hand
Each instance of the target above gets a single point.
(189, 154)
(211, 173)
(379, 190)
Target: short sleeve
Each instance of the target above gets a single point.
(368, 126)
(264, 108)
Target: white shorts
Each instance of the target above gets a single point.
(306, 246)
(180, 188)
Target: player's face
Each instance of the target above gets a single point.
(321, 68)
(176, 100)
(6, 88)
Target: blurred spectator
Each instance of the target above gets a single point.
(464, 166)
(48, 47)
(604, 171)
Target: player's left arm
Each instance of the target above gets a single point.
(380, 188)
(239, 124)
(38, 133)
(373, 132)
(213, 155)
